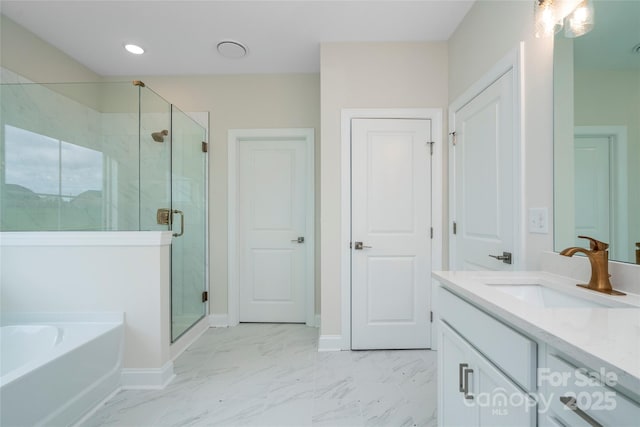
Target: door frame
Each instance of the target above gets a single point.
(433, 114)
(513, 61)
(618, 203)
(235, 136)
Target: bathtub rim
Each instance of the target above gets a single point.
(107, 321)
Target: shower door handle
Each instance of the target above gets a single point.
(177, 211)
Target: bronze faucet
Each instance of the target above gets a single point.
(599, 258)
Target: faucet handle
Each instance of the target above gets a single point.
(595, 245)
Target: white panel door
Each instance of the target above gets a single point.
(592, 188)
(484, 207)
(391, 217)
(271, 217)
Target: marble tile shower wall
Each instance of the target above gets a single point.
(120, 146)
(155, 168)
(140, 174)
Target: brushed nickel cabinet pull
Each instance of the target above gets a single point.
(467, 395)
(460, 372)
(571, 403)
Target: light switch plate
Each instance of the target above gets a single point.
(539, 220)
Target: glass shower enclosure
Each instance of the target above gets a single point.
(108, 156)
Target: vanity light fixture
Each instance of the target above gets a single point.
(546, 18)
(134, 48)
(580, 21)
(232, 49)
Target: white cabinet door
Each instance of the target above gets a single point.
(391, 218)
(473, 392)
(454, 409)
(484, 208)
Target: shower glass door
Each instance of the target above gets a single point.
(188, 204)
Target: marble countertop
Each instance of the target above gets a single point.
(599, 337)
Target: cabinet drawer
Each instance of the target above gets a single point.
(596, 403)
(514, 353)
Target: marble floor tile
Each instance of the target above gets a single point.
(273, 375)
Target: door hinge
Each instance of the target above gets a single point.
(455, 227)
(205, 147)
(350, 245)
(205, 296)
(431, 316)
(432, 232)
(454, 138)
(163, 216)
(431, 146)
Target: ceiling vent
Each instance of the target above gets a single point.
(232, 49)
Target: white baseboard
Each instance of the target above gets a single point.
(189, 337)
(151, 378)
(331, 343)
(219, 320)
(222, 321)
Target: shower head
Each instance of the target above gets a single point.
(159, 136)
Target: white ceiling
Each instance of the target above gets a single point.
(180, 36)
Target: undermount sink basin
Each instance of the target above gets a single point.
(543, 297)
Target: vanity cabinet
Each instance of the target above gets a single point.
(583, 396)
(492, 373)
(486, 369)
(474, 391)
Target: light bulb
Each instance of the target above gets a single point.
(546, 21)
(580, 21)
(135, 49)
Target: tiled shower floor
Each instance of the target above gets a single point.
(273, 375)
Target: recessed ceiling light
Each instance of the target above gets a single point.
(231, 49)
(134, 48)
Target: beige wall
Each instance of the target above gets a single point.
(365, 75)
(488, 32)
(24, 53)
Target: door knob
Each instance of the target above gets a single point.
(359, 246)
(298, 240)
(505, 257)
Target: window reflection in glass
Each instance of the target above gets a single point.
(50, 184)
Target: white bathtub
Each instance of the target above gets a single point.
(54, 372)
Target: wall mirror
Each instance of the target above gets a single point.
(597, 132)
